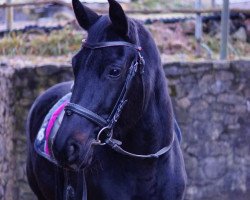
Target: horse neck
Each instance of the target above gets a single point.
(154, 130)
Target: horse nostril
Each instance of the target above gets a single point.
(72, 152)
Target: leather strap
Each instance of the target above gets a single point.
(77, 190)
(68, 191)
(59, 184)
(101, 45)
(84, 189)
(83, 112)
(120, 103)
(115, 114)
(116, 146)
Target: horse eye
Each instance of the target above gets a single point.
(113, 73)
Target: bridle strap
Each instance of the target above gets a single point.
(71, 108)
(71, 189)
(85, 191)
(120, 103)
(116, 146)
(110, 44)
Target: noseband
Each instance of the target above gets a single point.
(107, 125)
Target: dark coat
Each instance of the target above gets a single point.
(146, 124)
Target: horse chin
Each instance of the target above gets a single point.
(78, 167)
(83, 161)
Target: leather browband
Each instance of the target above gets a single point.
(101, 45)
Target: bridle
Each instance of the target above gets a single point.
(107, 125)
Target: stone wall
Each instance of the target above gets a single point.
(7, 165)
(19, 86)
(212, 105)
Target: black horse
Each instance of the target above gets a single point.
(117, 96)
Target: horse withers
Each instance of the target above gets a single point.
(115, 136)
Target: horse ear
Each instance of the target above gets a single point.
(85, 16)
(118, 17)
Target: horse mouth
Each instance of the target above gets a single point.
(83, 160)
(82, 165)
(86, 161)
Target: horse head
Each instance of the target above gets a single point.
(101, 73)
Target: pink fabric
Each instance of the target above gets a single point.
(51, 124)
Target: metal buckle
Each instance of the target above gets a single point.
(108, 136)
(70, 192)
(141, 63)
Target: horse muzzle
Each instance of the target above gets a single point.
(76, 152)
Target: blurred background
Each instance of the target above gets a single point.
(183, 30)
(205, 50)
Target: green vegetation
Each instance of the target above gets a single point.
(172, 43)
(56, 43)
(163, 4)
(157, 4)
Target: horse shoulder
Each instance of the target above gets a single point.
(175, 174)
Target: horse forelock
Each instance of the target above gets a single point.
(102, 31)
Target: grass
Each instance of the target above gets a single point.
(56, 43)
(157, 4)
(67, 41)
(163, 4)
